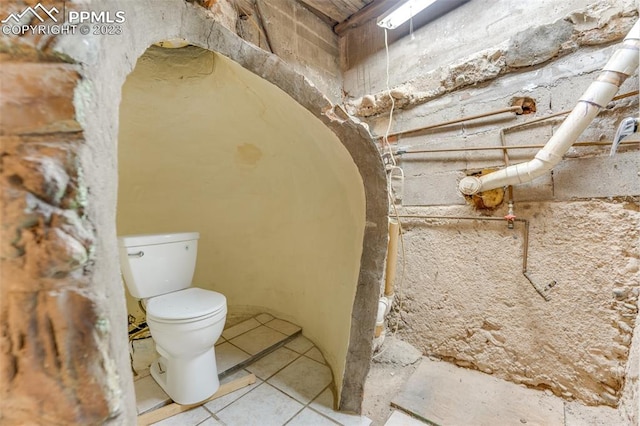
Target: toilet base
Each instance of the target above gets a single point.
(187, 380)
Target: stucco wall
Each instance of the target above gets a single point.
(205, 145)
(464, 297)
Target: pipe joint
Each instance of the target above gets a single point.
(547, 156)
(470, 185)
(623, 63)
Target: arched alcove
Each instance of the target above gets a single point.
(206, 145)
(105, 64)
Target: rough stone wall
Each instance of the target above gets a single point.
(59, 360)
(63, 356)
(418, 75)
(464, 297)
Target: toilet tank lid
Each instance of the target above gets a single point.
(151, 239)
(189, 303)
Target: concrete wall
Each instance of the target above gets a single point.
(465, 298)
(205, 145)
(298, 36)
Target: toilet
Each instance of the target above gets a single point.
(185, 322)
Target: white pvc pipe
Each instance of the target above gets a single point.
(384, 306)
(622, 64)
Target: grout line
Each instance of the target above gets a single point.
(294, 416)
(326, 417)
(284, 366)
(254, 358)
(315, 360)
(238, 398)
(329, 386)
(244, 332)
(203, 420)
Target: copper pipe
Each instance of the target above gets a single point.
(516, 109)
(542, 291)
(556, 114)
(496, 147)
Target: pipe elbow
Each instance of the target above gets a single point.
(470, 185)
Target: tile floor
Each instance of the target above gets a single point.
(293, 383)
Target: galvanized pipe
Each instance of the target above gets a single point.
(507, 147)
(542, 291)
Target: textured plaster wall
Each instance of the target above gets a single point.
(464, 297)
(466, 300)
(276, 197)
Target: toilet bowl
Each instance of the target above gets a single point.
(185, 322)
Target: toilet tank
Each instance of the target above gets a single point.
(155, 264)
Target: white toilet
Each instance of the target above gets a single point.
(185, 322)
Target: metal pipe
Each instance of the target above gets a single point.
(516, 109)
(516, 126)
(392, 257)
(557, 114)
(622, 64)
(498, 147)
(542, 291)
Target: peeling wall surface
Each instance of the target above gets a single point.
(277, 199)
(464, 296)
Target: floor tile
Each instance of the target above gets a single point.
(220, 341)
(283, 326)
(308, 417)
(211, 422)
(238, 329)
(324, 405)
(220, 403)
(228, 356)
(300, 344)
(263, 406)
(258, 339)
(264, 318)
(188, 418)
(315, 354)
(303, 379)
(272, 363)
(149, 395)
(398, 418)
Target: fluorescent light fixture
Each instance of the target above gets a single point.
(402, 13)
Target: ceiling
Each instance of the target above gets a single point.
(336, 10)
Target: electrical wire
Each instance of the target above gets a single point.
(398, 295)
(385, 139)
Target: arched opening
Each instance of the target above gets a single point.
(97, 104)
(204, 145)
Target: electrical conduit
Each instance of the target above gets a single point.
(622, 64)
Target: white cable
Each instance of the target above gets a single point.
(385, 139)
(394, 167)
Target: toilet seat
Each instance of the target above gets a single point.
(188, 305)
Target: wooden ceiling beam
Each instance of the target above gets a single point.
(373, 10)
